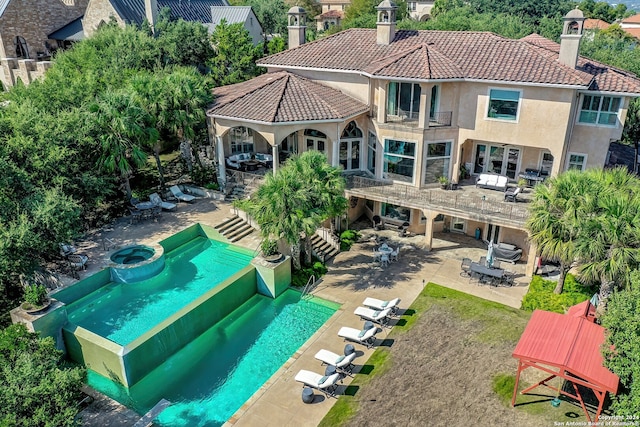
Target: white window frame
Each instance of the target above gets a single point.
(240, 143)
(427, 158)
(599, 111)
(414, 157)
(584, 161)
(372, 148)
(458, 221)
(541, 160)
(501, 119)
(411, 114)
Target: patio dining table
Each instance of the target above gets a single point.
(487, 271)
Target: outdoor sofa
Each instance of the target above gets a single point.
(492, 181)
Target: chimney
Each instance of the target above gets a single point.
(297, 26)
(151, 12)
(386, 25)
(570, 38)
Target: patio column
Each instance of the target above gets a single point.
(425, 105)
(382, 101)
(531, 260)
(222, 172)
(276, 158)
(335, 152)
(428, 233)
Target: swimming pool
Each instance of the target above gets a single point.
(122, 312)
(210, 378)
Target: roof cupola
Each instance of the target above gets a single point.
(570, 38)
(297, 25)
(386, 24)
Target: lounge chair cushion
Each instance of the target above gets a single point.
(323, 379)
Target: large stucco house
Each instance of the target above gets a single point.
(399, 109)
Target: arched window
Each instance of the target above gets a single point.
(22, 50)
(352, 131)
(350, 144)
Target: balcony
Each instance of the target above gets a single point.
(438, 119)
(466, 202)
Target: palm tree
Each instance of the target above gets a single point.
(125, 128)
(176, 100)
(608, 243)
(553, 219)
(297, 199)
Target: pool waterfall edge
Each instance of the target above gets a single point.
(127, 364)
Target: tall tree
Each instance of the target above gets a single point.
(553, 219)
(183, 42)
(36, 389)
(622, 352)
(126, 129)
(608, 240)
(235, 55)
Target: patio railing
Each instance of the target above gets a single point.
(473, 206)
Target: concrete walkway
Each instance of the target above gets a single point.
(351, 278)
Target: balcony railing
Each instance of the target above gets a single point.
(441, 118)
(475, 206)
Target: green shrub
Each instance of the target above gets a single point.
(348, 238)
(269, 247)
(35, 295)
(541, 296)
(299, 278)
(212, 186)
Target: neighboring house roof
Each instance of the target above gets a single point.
(283, 97)
(605, 78)
(132, 11)
(478, 55)
(3, 5)
(633, 32)
(331, 14)
(595, 24)
(232, 14)
(72, 31)
(635, 19)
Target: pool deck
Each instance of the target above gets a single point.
(351, 278)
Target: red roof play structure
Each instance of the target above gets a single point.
(566, 346)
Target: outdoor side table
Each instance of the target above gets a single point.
(307, 395)
(330, 370)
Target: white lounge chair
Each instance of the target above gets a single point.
(379, 304)
(376, 316)
(157, 200)
(326, 384)
(175, 190)
(366, 336)
(342, 363)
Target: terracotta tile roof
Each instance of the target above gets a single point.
(423, 62)
(451, 55)
(635, 19)
(331, 14)
(633, 32)
(593, 24)
(604, 77)
(282, 97)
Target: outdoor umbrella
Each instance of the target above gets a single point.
(490, 254)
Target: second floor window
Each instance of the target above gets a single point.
(599, 110)
(503, 104)
(411, 6)
(404, 100)
(241, 140)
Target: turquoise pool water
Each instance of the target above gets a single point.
(209, 379)
(122, 312)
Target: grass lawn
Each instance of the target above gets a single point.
(446, 362)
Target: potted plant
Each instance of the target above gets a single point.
(35, 298)
(522, 183)
(464, 173)
(444, 182)
(270, 250)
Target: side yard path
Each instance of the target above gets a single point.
(437, 368)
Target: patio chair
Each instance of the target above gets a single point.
(157, 200)
(376, 255)
(365, 337)
(178, 194)
(377, 316)
(384, 260)
(466, 267)
(136, 215)
(325, 384)
(78, 262)
(343, 364)
(379, 304)
(377, 222)
(394, 256)
(156, 212)
(511, 194)
(66, 249)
